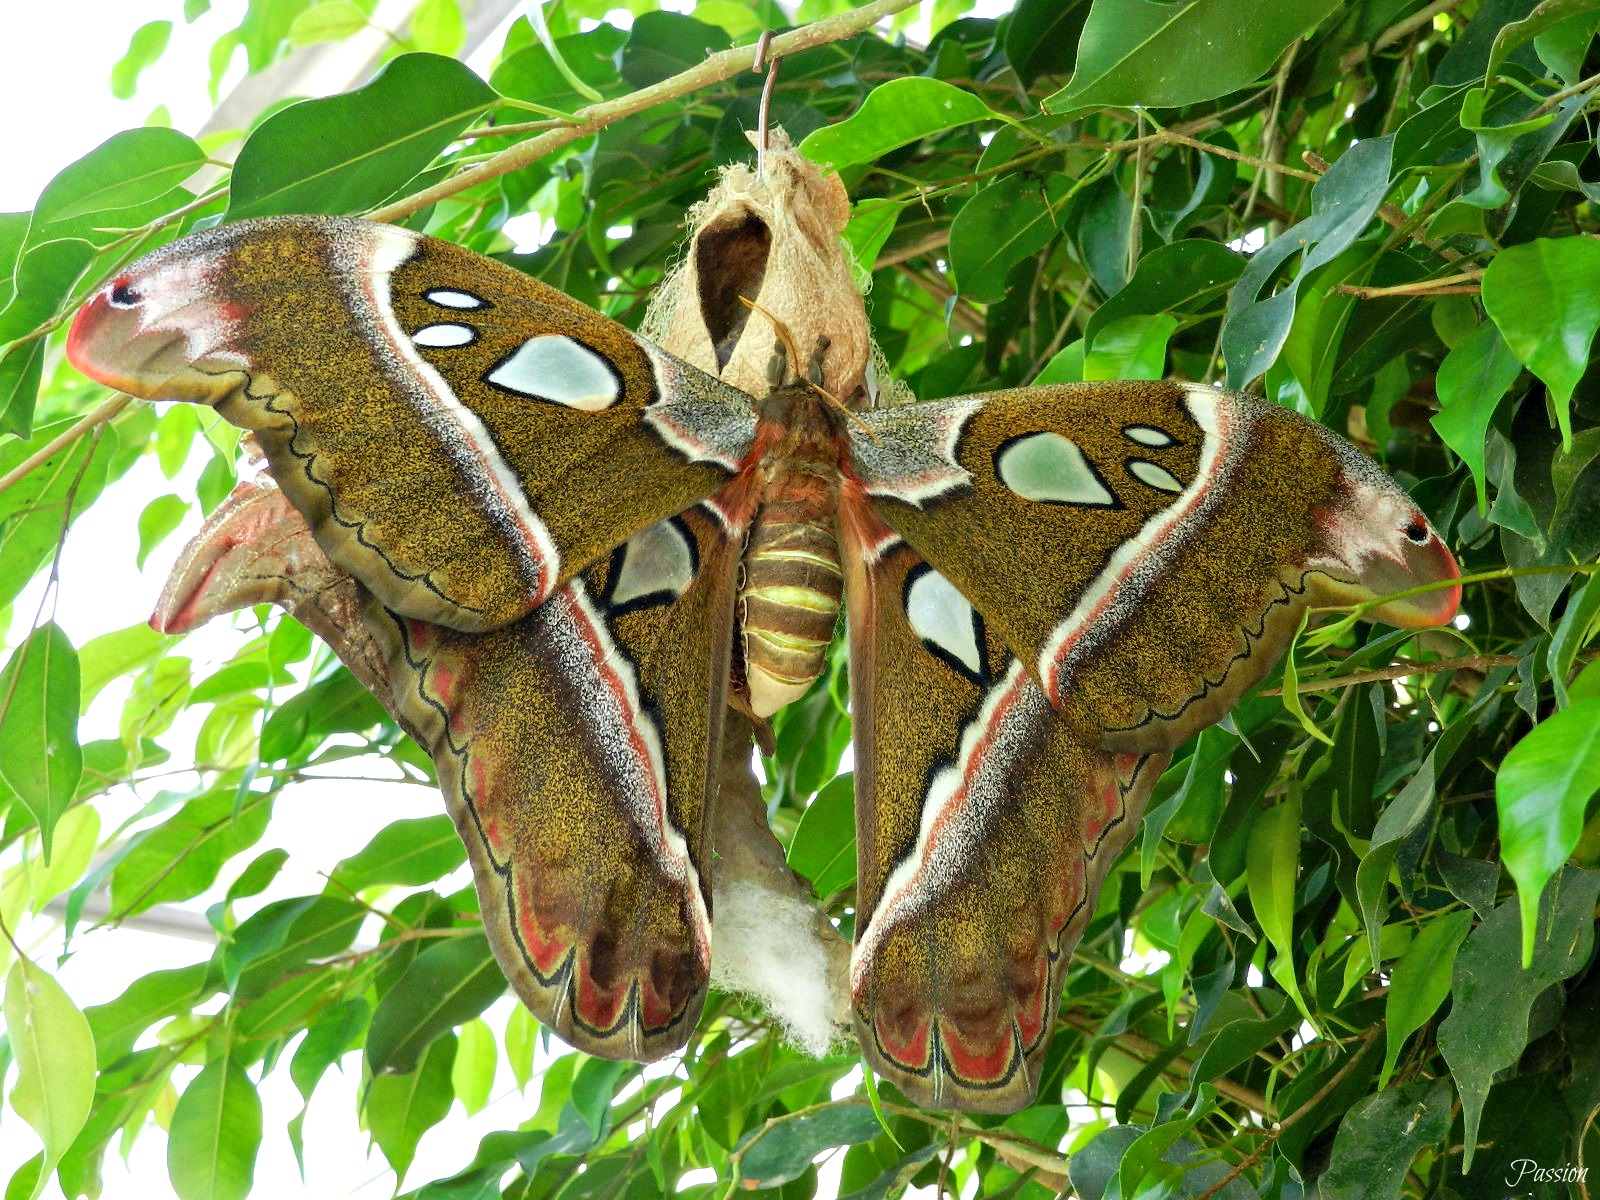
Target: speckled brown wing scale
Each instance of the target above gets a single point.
(969, 903)
(1050, 589)
(573, 748)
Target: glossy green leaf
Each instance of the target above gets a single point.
(54, 1053)
(406, 852)
(1163, 54)
(148, 44)
(1494, 992)
(215, 1134)
(125, 171)
(895, 114)
(1133, 347)
(1472, 381)
(1379, 1138)
(1189, 276)
(782, 1148)
(445, 984)
(346, 153)
(472, 1073)
(1042, 35)
(1545, 297)
(1542, 789)
(823, 848)
(401, 1108)
(1420, 981)
(1342, 205)
(39, 753)
(999, 227)
(111, 655)
(1272, 863)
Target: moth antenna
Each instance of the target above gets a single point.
(793, 357)
(764, 108)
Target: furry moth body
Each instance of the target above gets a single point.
(1047, 589)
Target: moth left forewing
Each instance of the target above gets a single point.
(460, 438)
(1146, 548)
(984, 831)
(574, 749)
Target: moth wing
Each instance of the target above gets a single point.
(984, 830)
(462, 439)
(1147, 549)
(574, 748)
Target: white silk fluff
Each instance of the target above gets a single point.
(765, 945)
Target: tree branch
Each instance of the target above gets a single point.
(591, 119)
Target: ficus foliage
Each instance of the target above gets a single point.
(1351, 951)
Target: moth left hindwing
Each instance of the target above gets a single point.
(573, 749)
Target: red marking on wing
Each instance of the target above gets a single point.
(599, 1005)
(912, 1048)
(545, 950)
(1030, 1016)
(974, 1060)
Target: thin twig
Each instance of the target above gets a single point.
(1477, 662)
(1173, 138)
(1397, 31)
(716, 68)
(63, 439)
(1461, 284)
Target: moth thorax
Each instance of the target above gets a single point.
(788, 605)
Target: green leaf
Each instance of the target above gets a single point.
(895, 114)
(1133, 347)
(112, 655)
(1420, 981)
(1472, 380)
(472, 1074)
(54, 1053)
(215, 1134)
(331, 22)
(1271, 865)
(145, 47)
(1164, 54)
(346, 153)
(782, 1148)
(1545, 297)
(407, 852)
(39, 754)
(159, 518)
(1541, 791)
(1189, 276)
(401, 1108)
(34, 509)
(126, 171)
(1543, 18)
(1342, 203)
(446, 984)
(437, 27)
(1379, 1138)
(1493, 994)
(118, 1024)
(1006, 222)
(1041, 36)
(823, 848)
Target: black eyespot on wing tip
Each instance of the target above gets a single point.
(1417, 531)
(124, 294)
